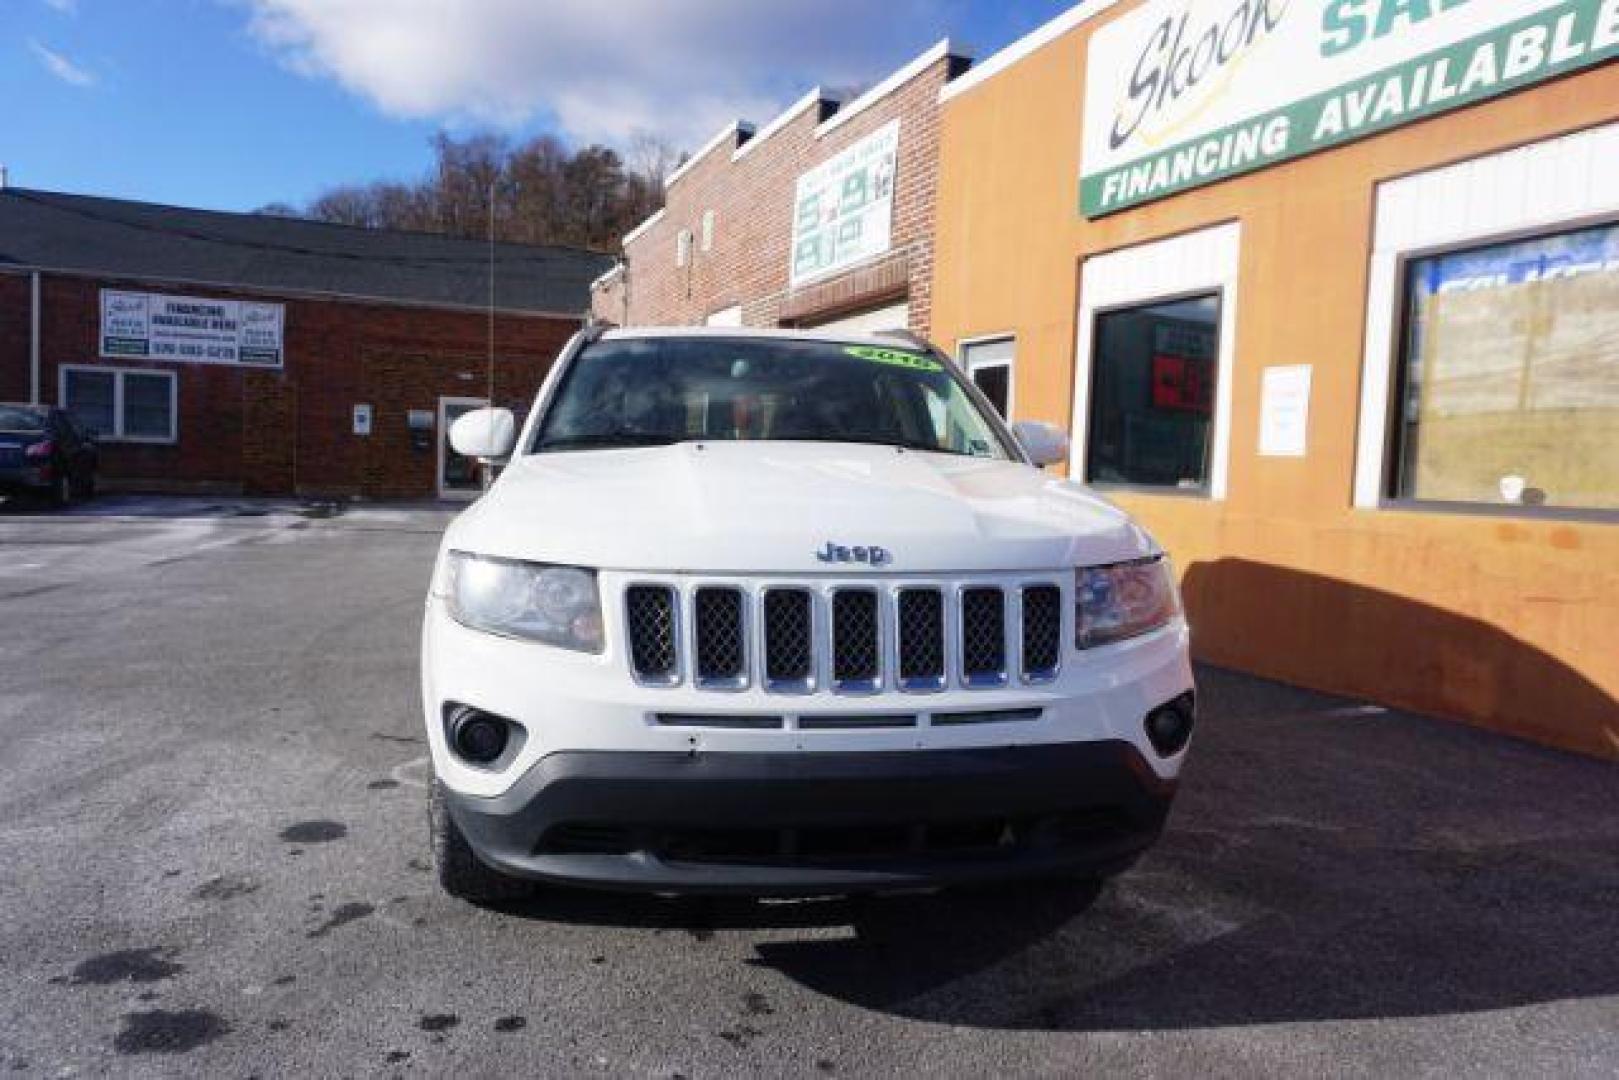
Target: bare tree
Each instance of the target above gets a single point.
(346, 205)
(543, 193)
(651, 158)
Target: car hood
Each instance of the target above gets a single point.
(772, 507)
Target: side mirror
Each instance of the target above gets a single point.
(1046, 444)
(485, 434)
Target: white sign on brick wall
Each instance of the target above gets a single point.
(843, 210)
(192, 329)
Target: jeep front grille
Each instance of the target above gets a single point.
(1042, 632)
(857, 647)
(983, 637)
(846, 637)
(921, 639)
(720, 628)
(789, 626)
(649, 611)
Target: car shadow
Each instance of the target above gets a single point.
(12, 505)
(1326, 860)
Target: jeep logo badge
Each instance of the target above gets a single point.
(871, 556)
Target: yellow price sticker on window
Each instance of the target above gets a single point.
(894, 357)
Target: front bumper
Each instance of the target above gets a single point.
(29, 478)
(786, 824)
(572, 702)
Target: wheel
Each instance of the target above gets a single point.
(460, 872)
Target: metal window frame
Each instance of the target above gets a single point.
(1204, 490)
(119, 373)
(1394, 441)
(972, 367)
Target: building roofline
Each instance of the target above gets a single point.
(735, 128)
(616, 271)
(941, 50)
(271, 292)
(636, 233)
(785, 117)
(852, 109)
(48, 194)
(1024, 46)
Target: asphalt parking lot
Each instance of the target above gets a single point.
(213, 862)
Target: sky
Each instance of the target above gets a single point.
(234, 104)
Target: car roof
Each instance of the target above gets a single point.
(895, 339)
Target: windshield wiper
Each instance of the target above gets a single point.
(875, 440)
(618, 440)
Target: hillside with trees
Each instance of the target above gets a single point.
(543, 192)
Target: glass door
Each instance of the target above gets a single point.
(458, 477)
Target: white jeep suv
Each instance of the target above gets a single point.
(788, 613)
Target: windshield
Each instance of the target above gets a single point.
(21, 418)
(655, 391)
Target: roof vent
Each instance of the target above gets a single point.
(5, 177)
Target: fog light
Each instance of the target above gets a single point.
(1169, 727)
(477, 736)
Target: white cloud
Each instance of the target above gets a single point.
(61, 66)
(603, 69)
(66, 7)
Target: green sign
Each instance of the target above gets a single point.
(1176, 101)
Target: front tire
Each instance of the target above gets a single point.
(459, 870)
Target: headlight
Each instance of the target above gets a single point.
(1123, 601)
(557, 605)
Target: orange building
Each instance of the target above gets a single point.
(1328, 293)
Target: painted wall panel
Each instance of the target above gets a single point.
(1507, 622)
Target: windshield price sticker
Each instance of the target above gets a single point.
(894, 357)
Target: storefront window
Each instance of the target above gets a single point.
(1152, 394)
(1509, 386)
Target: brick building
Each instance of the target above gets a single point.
(824, 216)
(242, 353)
